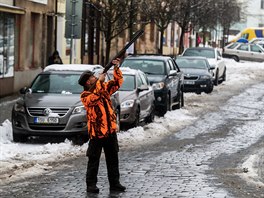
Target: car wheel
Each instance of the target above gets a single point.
(210, 88)
(169, 103)
(19, 137)
(136, 121)
(216, 82)
(180, 100)
(151, 116)
(224, 76)
(80, 139)
(117, 120)
(236, 58)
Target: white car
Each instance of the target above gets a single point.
(214, 58)
(244, 51)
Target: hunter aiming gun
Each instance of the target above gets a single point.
(82, 79)
(123, 51)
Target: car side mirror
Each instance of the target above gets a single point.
(212, 67)
(218, 57)
(143, 88)
(173, 73)
(25, 90)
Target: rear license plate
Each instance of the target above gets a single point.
(46, 120)
(188, 82)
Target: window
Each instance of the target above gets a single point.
(232, 46)
(262, 5)
(255, 48)
(7, 36)
(243, 47)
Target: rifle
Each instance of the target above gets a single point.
(123, 51)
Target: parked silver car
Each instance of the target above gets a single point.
(51, 106)
(197, 74)
(214, 58)
(244, 51)
(136, 97)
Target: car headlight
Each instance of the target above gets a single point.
(205, 77)
(158, 86)
(127, 104)
(19, 108)
(79, 110)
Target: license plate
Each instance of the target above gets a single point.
(46, 120)
(188, 82)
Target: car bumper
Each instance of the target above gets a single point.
(161, 97)
(197, 86)
(128, 115)
(24, 124)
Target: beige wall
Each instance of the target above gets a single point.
(24, 78)
(8, 2)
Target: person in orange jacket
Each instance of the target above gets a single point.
(101, 123)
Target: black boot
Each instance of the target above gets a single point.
(117, 187)
(92, 189)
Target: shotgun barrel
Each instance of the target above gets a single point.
(123, 51)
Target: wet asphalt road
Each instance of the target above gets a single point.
(200, 160)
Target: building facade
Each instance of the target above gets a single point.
(253, 15)
(27, 38)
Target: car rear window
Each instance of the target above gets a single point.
(191, 63)
(200, 52)
(156, 67)
(57, 83)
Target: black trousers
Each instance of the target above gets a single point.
(111, 148)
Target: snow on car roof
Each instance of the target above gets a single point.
(72, 67)
(127, 70)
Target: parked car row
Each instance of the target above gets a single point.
(153, 84)
(214, 58)
(164, 76)
(203, 68)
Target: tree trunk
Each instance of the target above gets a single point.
(107, 51)
(161, 42)
(181, 47)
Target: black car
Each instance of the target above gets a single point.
(51, 106)
(165, 77)
(197, 74)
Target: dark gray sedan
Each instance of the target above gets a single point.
(197, 74)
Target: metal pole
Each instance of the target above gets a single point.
(72, 27)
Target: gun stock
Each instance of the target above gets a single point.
(123, 51)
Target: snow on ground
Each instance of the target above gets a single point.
(36, 158)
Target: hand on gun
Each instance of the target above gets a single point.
(116, 62)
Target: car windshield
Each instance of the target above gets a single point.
(147, 66)
(200, 52)
(191, 63)
(129, 83)
(57, 83)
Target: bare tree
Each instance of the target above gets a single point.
(184, 15)
(161, 13)
(229, 12)
(114, 17)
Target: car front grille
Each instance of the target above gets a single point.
(191, 77)
(47, 127)
(39, 111)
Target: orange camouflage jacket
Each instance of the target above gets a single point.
(101, 118)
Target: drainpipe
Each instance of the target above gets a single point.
(56, 23)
